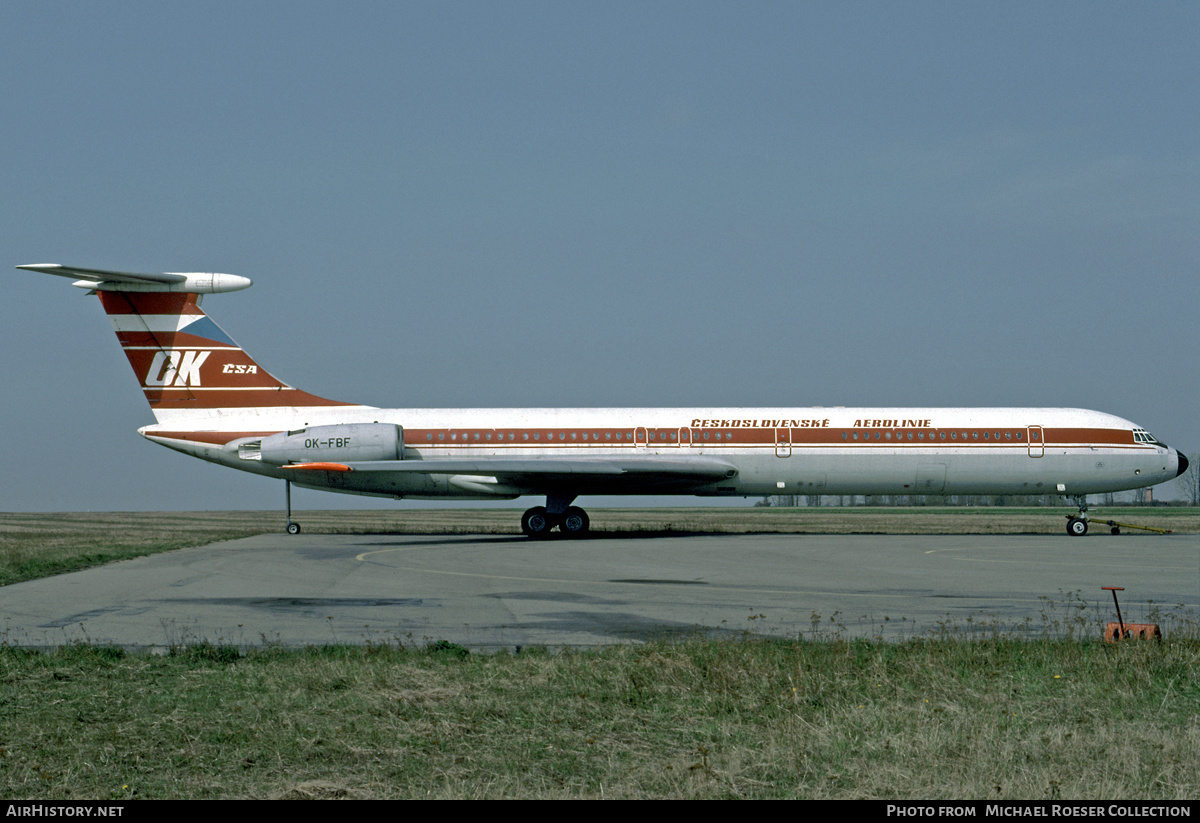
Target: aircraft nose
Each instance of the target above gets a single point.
(1183, 464)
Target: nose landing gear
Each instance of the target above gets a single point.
(1077, 525)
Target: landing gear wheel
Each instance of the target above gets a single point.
(1116, 529)
(575, 522)
(1076, 526)
(293, 528)
(536, 522)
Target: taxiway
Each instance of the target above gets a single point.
(488, 592)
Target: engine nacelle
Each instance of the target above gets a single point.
(342, 443)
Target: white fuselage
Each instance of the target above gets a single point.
(774, 451)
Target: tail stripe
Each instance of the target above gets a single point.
(200, 327)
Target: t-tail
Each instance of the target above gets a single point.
(188, 367)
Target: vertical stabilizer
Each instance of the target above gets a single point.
(186, 364)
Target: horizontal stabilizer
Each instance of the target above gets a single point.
(105, 280)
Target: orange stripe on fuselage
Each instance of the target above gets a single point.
(559, 438)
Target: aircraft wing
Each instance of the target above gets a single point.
(551, 471)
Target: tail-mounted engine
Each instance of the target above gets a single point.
(343, 443)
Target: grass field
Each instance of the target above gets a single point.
(987, 719)
(993, 717)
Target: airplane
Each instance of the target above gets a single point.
(213, 401)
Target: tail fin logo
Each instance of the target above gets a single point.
(175, 368)
(240, 368)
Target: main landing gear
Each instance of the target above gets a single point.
(571, 521)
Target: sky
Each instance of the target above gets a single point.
(598, 204)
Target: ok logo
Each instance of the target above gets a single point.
(176, 368)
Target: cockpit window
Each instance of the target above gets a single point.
(1143, 436)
